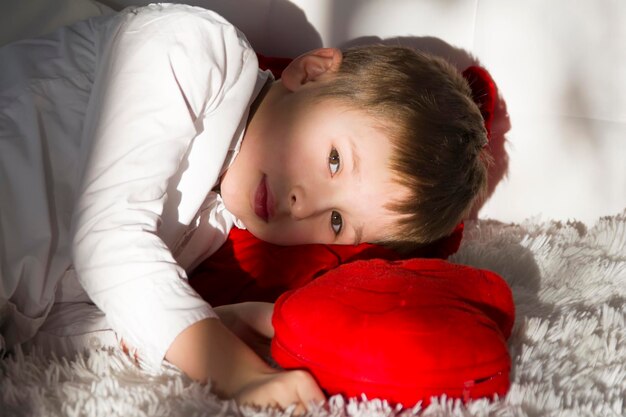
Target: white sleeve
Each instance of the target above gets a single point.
(156, 82)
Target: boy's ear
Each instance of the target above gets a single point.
(311, 67)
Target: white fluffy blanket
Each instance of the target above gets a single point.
(568, 345)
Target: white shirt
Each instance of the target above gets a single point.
(113, 132)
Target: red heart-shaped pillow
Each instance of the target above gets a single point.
(403, 331)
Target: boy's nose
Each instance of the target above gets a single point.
(303, 203)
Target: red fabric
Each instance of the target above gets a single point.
(402, 331)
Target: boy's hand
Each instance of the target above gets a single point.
(284, 388)
(208, 351)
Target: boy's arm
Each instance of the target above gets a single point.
(251, 322)
(164, 83)
(208, 351)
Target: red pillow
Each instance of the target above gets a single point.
(399, 330)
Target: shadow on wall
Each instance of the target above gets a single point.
(461, 59)
(273, 27)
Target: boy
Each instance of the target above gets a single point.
(132, 144)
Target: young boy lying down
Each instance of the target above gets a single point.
(131, 144)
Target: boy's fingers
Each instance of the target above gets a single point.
(284, 390)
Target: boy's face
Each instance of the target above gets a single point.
(313, 171)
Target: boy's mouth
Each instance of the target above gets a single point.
(262, 200)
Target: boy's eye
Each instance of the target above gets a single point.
(334, 161)
(336, 222)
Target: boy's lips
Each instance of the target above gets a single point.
(263, 201)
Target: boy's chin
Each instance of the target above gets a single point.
(266, 237)
(258, 232)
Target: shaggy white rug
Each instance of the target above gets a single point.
(568, 345)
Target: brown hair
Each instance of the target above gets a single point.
(426, 107)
